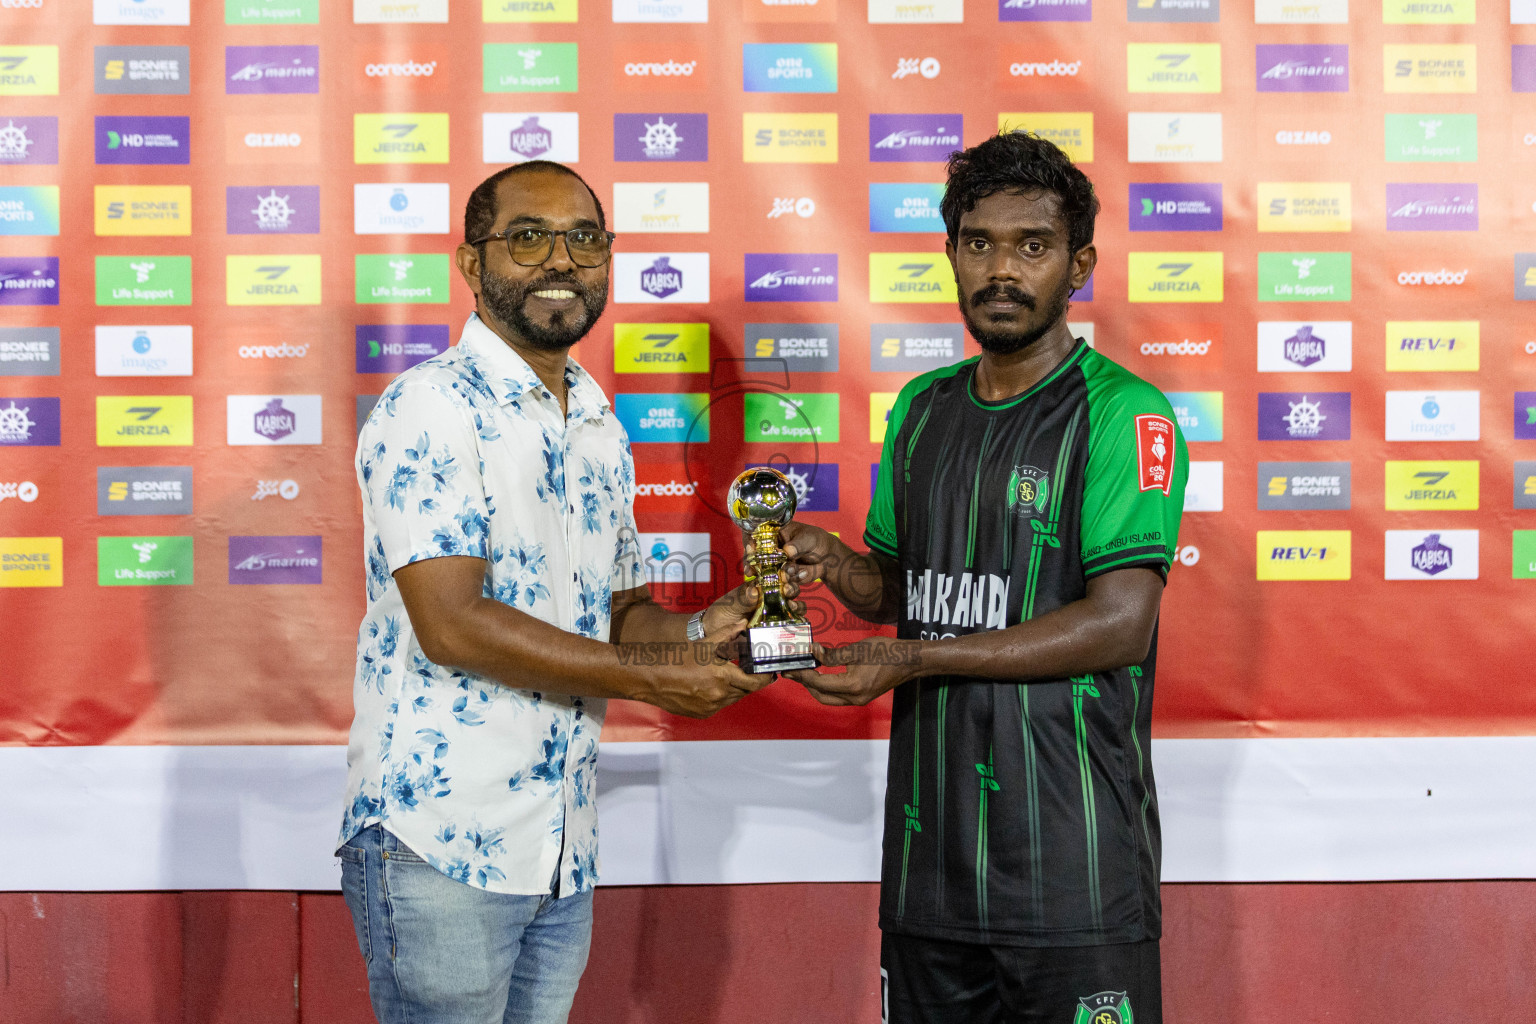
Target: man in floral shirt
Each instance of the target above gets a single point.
(503, 571)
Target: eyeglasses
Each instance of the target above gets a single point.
(529, 247)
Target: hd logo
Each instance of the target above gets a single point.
(910, 277)
(400, 138)
(1171, 67)
(1304, 206)
(1432, 486)
(1176, 277)
(661, 348)
(1289, 555)
(272, 280)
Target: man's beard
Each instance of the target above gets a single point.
(1006, 342)
(505, 300)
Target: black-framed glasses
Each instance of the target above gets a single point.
(529, 247)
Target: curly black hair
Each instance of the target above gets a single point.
(1019, 162)
(480, 211)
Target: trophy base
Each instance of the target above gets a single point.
(785, 648)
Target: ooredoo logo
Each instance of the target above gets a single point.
(419, 66)
(1053, 69)
(663, 487)
(1196, 345)
(674, 67)
(659, 69)
(1432, 277)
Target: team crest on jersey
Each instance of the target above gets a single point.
(1104, 1008)
(1029, 490)
(1154, 452)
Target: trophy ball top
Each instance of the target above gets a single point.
(761, 496)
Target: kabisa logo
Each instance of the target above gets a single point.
(255, 560)
(273, 419)
(651, 137)
(1176, 277)
(29, 280)
(661, 279)
(1316, 347)
(803, 207)
(272, 69)
(1103, 1008)
(272, 280)
(1315, 416)
(272, 209)
(1304, 555)
(152, 420)
(1431, 557)
(1309, 68)
(29, 421)
(391, 348)
(29, 140)
(1029, 491)
(143, 70)
(400, 138)
(274, 422)
(906, 67)
(914, 137)
(1304, 348)
(1437, 555)
(791, 277)
(530, 139)
(905, 207)
(797, 347)
(1044, 10)
(1419, 207)
(1175, 207)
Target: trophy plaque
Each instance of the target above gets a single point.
(760, 501)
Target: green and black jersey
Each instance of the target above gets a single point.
(1023, 814)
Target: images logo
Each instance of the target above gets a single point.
(143, 210)
(661, 277)
(1431, 138)
(29, 209)
(815, 483)
(272, 280)
(29, 140)
(672, 11)
(910, 277)
(142, 12)
(912, 138)
(271, 69)
(143, 280)
(1176, 276)
(1324, 346)
(29, 351)
(273, 419)
(144, 561)
(272, 210)
(796, 348)
(29, 70)
(258, 560)
(1308, 68)
(663, 418)
(1304, 277)
(1044, 10)
(1200, 414)
(1303, 486)
(1205, 488)
(1303, 555)
(1162, 137)
(152, 351)
(271, 12)
(406, 277)
(789, 417)
(676, 557)
(143, 421)
(391, 348)
(1441, 555)
(143, 140)
(668, 207)
(661, 348)
(31, 561)
(789, 138)
(1072, 133)
(1314, 416)
(1173, 10)
(513, 138)
(1189, 207)
(400, 138)
(789, 67)
(1173, 67)
(1419, 207)
(29, 422)
(791, 277)
(29, 280)
(1429, 67)
(669, 137)
(905, 207)
(404, 209)
(1429, 345)
(501, 11)
(1435, 486)
(914, 347)
(529, 67)
(143, 70)
(1433, 416)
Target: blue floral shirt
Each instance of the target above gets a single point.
(468, 454)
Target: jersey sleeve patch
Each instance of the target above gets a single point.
(1155, 449)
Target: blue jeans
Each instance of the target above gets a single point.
(443, 952)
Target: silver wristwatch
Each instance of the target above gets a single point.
(696, 626)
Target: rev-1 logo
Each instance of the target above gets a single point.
(803, 206)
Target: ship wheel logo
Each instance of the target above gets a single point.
(273, 212)
(660, 139)
(1305, 418)
(14, 142)
(15, 425)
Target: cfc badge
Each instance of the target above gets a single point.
(1104, 1008)
(1154, 454)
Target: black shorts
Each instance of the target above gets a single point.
(930, 981)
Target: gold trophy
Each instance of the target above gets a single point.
(761, 501)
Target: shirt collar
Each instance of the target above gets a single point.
(510, 377)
